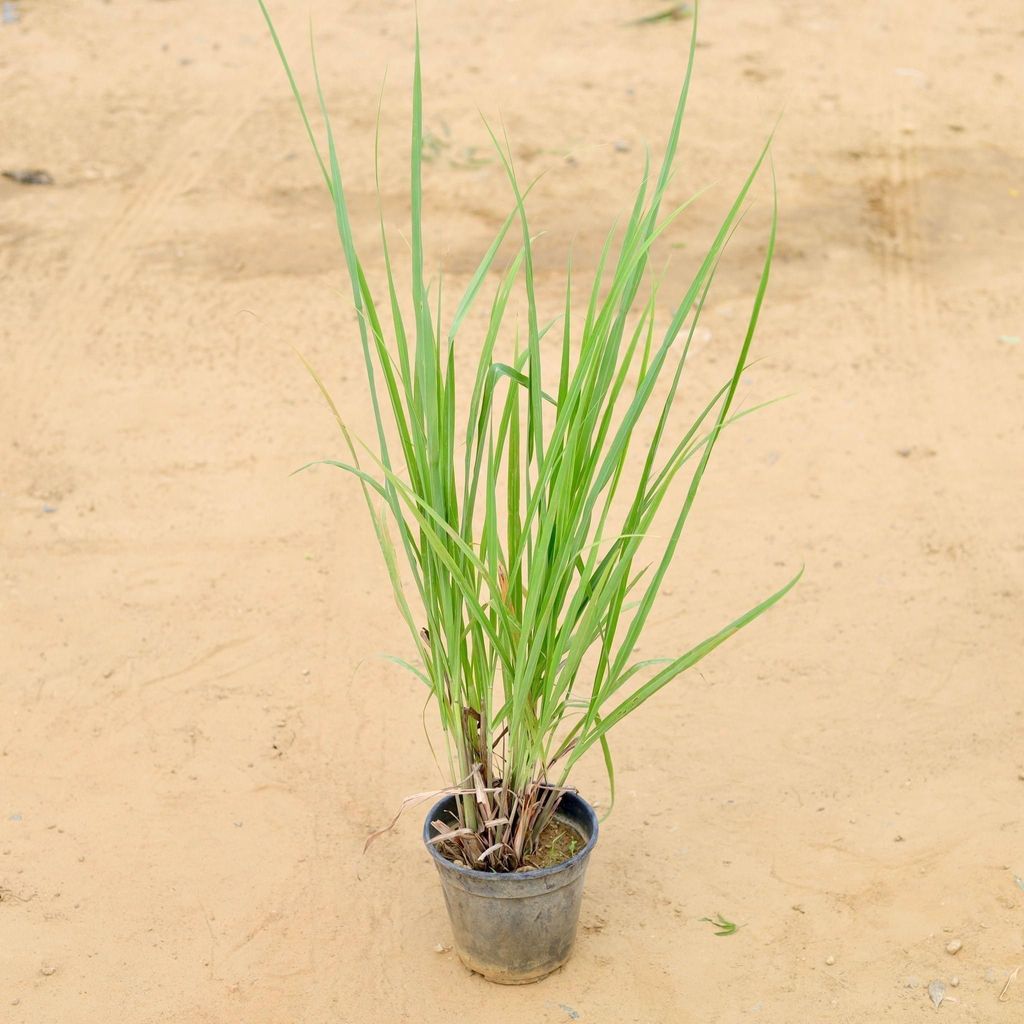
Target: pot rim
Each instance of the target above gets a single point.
(448, 865)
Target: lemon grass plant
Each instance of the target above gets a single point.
(517, 494)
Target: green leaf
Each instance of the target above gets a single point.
(677, 12)
(724, 926)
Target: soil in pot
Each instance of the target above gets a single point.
(558, 843)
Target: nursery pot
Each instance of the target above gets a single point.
(519, 927)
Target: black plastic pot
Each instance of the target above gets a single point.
(515, 928)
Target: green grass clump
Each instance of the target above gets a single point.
(520, 535)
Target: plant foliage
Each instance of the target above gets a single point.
(520, 526)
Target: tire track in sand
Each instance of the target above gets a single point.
(104, 260)
(103, 266)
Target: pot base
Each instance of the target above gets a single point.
(488, 973)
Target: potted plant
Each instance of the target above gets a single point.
(521, 504)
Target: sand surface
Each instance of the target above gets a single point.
(197, 729)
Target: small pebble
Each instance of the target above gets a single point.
(305, 671)
(912, 982)
(621, 146)
(47, 970)
(955, 981)
(830, 960)
(439, 948)
(15, 1002)
(954, 946)
(936, 992)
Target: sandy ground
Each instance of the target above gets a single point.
(197, 730)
